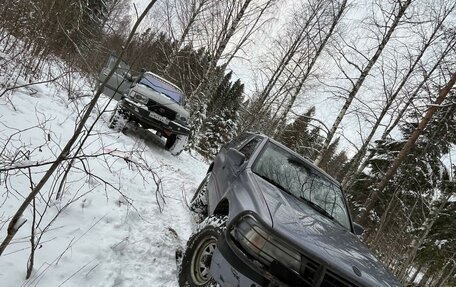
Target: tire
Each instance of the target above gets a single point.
(198, 204)
(196, 260)
(117, 121)
(170, 141)
(176, 144)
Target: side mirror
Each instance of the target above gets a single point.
(128, 77)
(236, 157)
(358, 229)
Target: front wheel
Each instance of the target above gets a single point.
(195, 266)
(176, 144)
(117, 121)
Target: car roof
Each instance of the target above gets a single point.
(306, 160)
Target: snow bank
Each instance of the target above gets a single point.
(107, 228)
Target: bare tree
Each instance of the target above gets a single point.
(319, 42)
(222, 25)
(227, 28)
(373, 197)
(387, 29)
(391, 96)
(410, 98)
(13, 224)
(289, 65)
(187, 13)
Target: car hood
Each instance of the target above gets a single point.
(323, 239)
(161, 99)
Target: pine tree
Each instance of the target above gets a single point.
(337, 164)
(221, 124)
(329, 154)
(217, 100)
(297, 136)
(219, 130)
(411, 216)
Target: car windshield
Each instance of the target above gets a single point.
(162, 87)
(294, 176)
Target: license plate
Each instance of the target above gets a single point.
(157, 117)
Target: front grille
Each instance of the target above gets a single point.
(285, 274)
(309, 268)
(332, 280)
(308, 273)
(161, 110)
(311, 272)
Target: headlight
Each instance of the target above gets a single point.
(181, 118)
(139, 98)
(263, 246)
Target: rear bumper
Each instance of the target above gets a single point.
(143, 115)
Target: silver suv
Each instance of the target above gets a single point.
(269, 217)
(148, 100)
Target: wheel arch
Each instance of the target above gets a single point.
(222, 208)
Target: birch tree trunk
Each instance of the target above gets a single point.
(299, 36)
(314, 59)
(417, 242)
(350, 179)
(252, 27)
(355, 162)
(223, 42)
(364, 73)
(196, 8)
(373, 197)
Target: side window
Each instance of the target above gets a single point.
(238, 140)
(250, 147)
(122, 67)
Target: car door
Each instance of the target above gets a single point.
(225, 171)
(119, 82)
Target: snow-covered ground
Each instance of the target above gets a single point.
(116, 229)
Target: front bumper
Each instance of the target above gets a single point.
(231, 267)
(160, 123)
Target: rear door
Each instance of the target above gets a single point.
(119, 82)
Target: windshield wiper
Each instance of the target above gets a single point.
(317, 207)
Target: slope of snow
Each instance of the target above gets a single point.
(113, 228)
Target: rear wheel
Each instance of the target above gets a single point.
(195, 265)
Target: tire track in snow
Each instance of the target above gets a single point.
(147, 255)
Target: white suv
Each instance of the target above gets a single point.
(148, 100)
